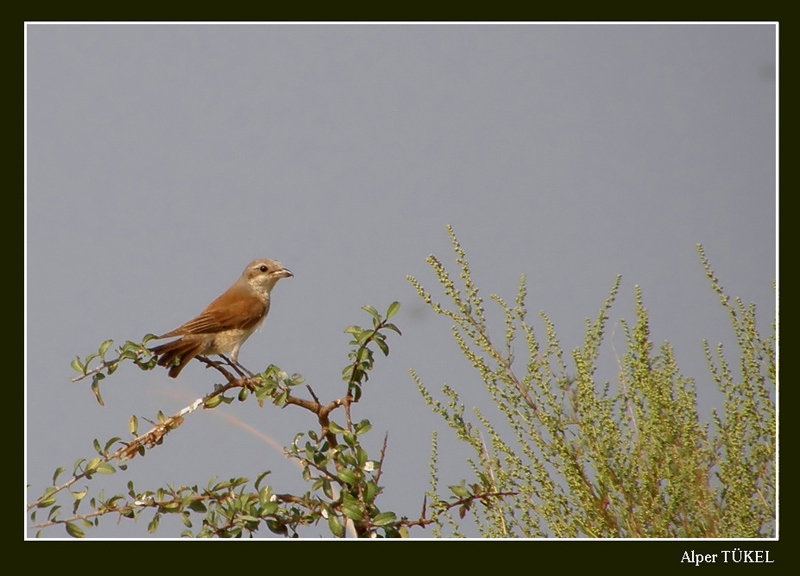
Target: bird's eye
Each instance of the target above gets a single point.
(263, 268)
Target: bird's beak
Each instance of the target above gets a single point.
(284, 273)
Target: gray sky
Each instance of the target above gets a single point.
(161, 159)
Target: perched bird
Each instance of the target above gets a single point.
(227, 322)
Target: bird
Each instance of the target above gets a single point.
(227, 322)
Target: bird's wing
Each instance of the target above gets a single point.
(243, 315)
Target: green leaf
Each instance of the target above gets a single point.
(459, 491)
(104, 348)
(352, 510)
(80, 495)
(260, 478)
(391, 326)
(383, 346)
(212, 402)
(129, 347)
(108, 445)
(96, 389)
(128, 355)
(349, 438)
(92, 465)
(344, 458)
(74, 531)
(393, 308)
(370, 492)
(365, 335)
(354, 330)
(47, 498)
(170, 507)
(268, 509)
(133, 425)
(106, 468)
(77, 366)
(336, 429)
(334, 525)
(384, 519)
(361, 456)
(281, 399)
(346, 476)
(56, 474)
(363, 427)
(371, 311)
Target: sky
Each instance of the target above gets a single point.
(162, 159)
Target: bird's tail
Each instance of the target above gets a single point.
(182, 350)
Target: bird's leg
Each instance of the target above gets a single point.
(219, 366)
(211, 363)
(238, 367)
